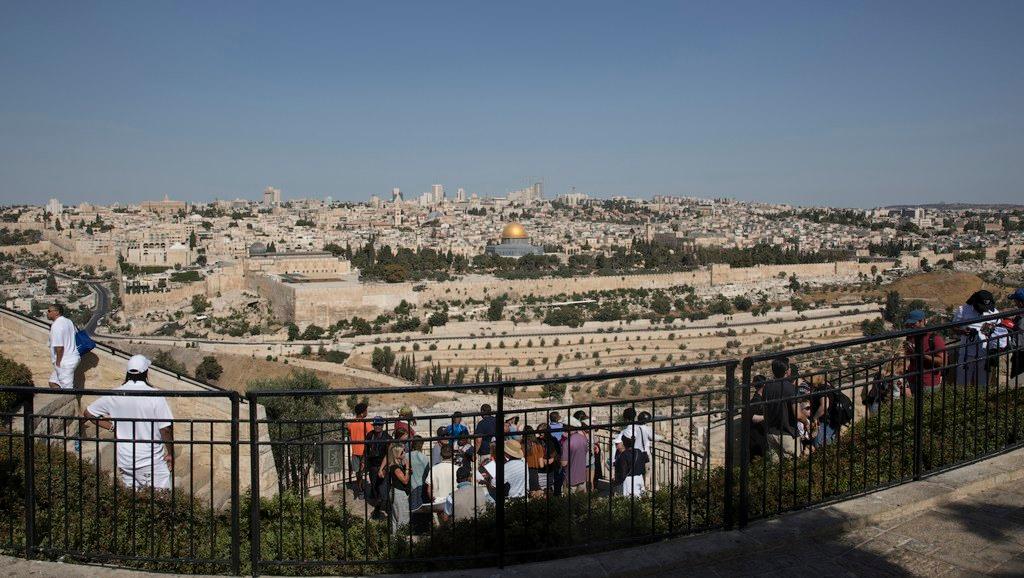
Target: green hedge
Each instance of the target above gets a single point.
(12, 374)
(958, 424)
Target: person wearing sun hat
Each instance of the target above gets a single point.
(515, 472)
(924, 369)
(143, 427)
(404, 425)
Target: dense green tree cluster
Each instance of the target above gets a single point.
(19, 237)
(403, 265)
(209, 369)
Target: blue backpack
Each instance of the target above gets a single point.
(83, 343)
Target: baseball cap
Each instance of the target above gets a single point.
(1018, 295)
(138, 364)
(915, 316)
(377, 420)
(406, 411)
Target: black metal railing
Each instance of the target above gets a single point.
(374, 529)
(67, 479)
(923, 401)
(880, 411)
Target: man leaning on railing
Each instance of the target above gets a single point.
(143, 427)
(780, 411)
(972, 356)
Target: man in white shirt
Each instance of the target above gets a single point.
(515, 471)
(63, 350)
(638, 428)
(972, 356)
(441, 479)
(143, 428)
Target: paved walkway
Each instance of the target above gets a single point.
(979, 534)
(967, 522)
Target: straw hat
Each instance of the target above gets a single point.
(513, 449)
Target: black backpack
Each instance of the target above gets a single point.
(841, 410)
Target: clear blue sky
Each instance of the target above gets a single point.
(852, 104)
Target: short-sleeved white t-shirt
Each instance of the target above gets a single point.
(62, 334)
(967, 313)
(643, 436)
(515, 476)
(154, 414)
(442, 480)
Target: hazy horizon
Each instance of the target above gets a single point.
(798, 103)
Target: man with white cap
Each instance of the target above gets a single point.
(143, 427)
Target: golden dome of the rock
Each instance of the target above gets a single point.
(514, 231)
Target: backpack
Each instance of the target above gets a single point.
(83, 343)
(376, 444)
(841, 410)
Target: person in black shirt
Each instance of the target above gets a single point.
(780, 412)
(484, 430)
(630, 466)
(551, 462)
(758, 437)
(1017, 341)
(377, 441)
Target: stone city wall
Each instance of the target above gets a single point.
(137, 302)
(70, 253)
(316, 266)
(228, 279)
(280, 295)
(24, 226)
(326, 303)
(34, 248)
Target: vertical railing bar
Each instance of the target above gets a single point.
(236, 542)
(254, 486)
(730, 384)
(918, 406)
(744, 507)
(30, 477)
(499, 471)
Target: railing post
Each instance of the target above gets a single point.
(254, 486)
(745, 445)
(917, 377)
(499, 473)
(235, 497)
(730, 385)
(30, 476)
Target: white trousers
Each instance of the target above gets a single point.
(633, 486)
(64, 374)
(157, 476)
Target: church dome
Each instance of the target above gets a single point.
(514, 231)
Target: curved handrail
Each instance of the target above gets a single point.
(116, 352)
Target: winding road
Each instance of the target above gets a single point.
(102, 306)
